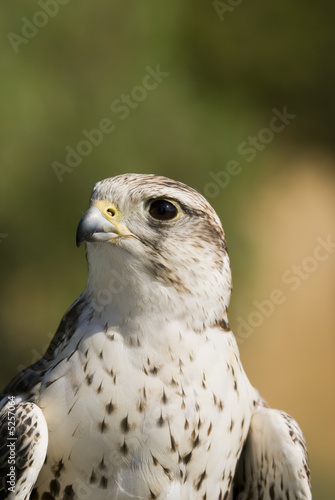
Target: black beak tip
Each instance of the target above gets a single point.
(80, 235)
(78, 241)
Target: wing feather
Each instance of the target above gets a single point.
(23, 454)
(30, 425)
(274, 461)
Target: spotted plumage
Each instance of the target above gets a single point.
(141, 393)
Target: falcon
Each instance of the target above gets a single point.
(141, 393)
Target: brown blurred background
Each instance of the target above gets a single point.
(243, 111)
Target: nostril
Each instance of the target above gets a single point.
(111, 211)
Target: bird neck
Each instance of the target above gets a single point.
(125, 294)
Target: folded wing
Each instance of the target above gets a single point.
(274, 461)
(28, 450)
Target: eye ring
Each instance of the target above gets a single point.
(162, 210)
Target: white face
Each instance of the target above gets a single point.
(158, 231)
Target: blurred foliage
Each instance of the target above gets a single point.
(225, 78)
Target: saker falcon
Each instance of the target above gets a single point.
(141, 393)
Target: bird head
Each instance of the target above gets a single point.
(158, 246)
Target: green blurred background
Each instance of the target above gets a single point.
(227, 66)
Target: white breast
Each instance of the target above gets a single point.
(140, 417)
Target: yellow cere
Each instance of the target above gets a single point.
(112, 214)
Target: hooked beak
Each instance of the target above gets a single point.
(94, 227)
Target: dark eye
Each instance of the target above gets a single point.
(163, 210)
